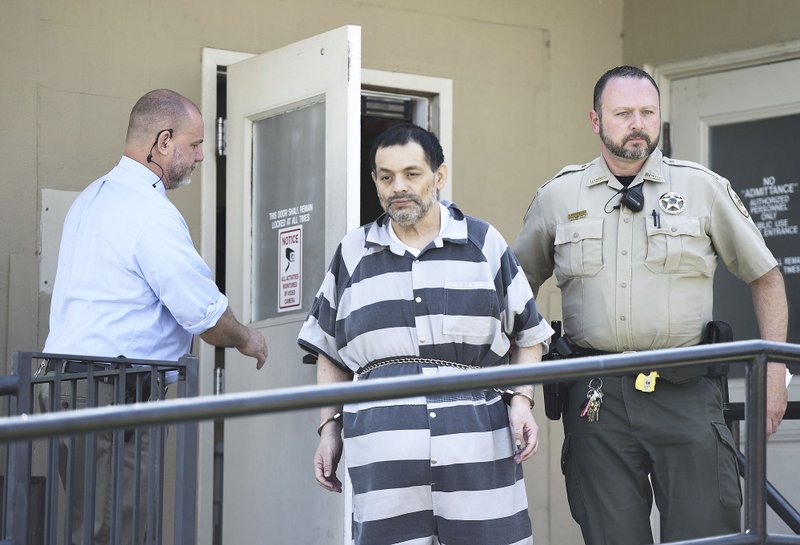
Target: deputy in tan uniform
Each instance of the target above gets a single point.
(633, 238)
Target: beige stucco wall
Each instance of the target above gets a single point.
(658, 32)
(18, 182)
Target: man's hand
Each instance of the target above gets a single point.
(777, 396)
(255, 346)
(228, 332)
(327, 457)
(524, 429)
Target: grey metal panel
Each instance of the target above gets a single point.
(288, 201)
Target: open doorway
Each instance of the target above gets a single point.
(386, 99)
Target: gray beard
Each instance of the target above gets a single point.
(622, 152)
(407, 218)
(180, 179)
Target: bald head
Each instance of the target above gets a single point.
(165, 134)
(157, 111)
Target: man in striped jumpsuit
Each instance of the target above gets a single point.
(426, 289)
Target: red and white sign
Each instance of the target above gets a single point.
(290, 268)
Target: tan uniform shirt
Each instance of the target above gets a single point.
(644, 280)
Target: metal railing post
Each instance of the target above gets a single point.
(755, 508)
(186, 460)
(18, 477)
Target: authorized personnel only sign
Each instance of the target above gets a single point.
(290, 268)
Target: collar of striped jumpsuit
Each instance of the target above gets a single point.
(455, 231)
(651, 171)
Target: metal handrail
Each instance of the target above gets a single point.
(310, 396)
(20, 389)
(754, 354)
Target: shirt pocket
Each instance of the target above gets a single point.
(679, 245)
(579, 248)
(470, 308)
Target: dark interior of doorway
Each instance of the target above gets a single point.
(219, 353)
(378, 113)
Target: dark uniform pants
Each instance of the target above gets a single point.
(674, 438)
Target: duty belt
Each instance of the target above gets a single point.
(674, 375)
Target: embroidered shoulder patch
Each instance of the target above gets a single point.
(738, 201)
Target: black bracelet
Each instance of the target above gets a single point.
(337, 417)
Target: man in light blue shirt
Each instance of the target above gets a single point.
(129, 280)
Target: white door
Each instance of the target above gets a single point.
(293, 192)
(744, 124)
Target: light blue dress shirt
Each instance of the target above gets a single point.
(129, 280)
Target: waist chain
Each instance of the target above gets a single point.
(505, 393)
(384, 362)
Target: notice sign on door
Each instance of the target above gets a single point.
(290, 268)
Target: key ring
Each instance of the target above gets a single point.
(595, 388)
